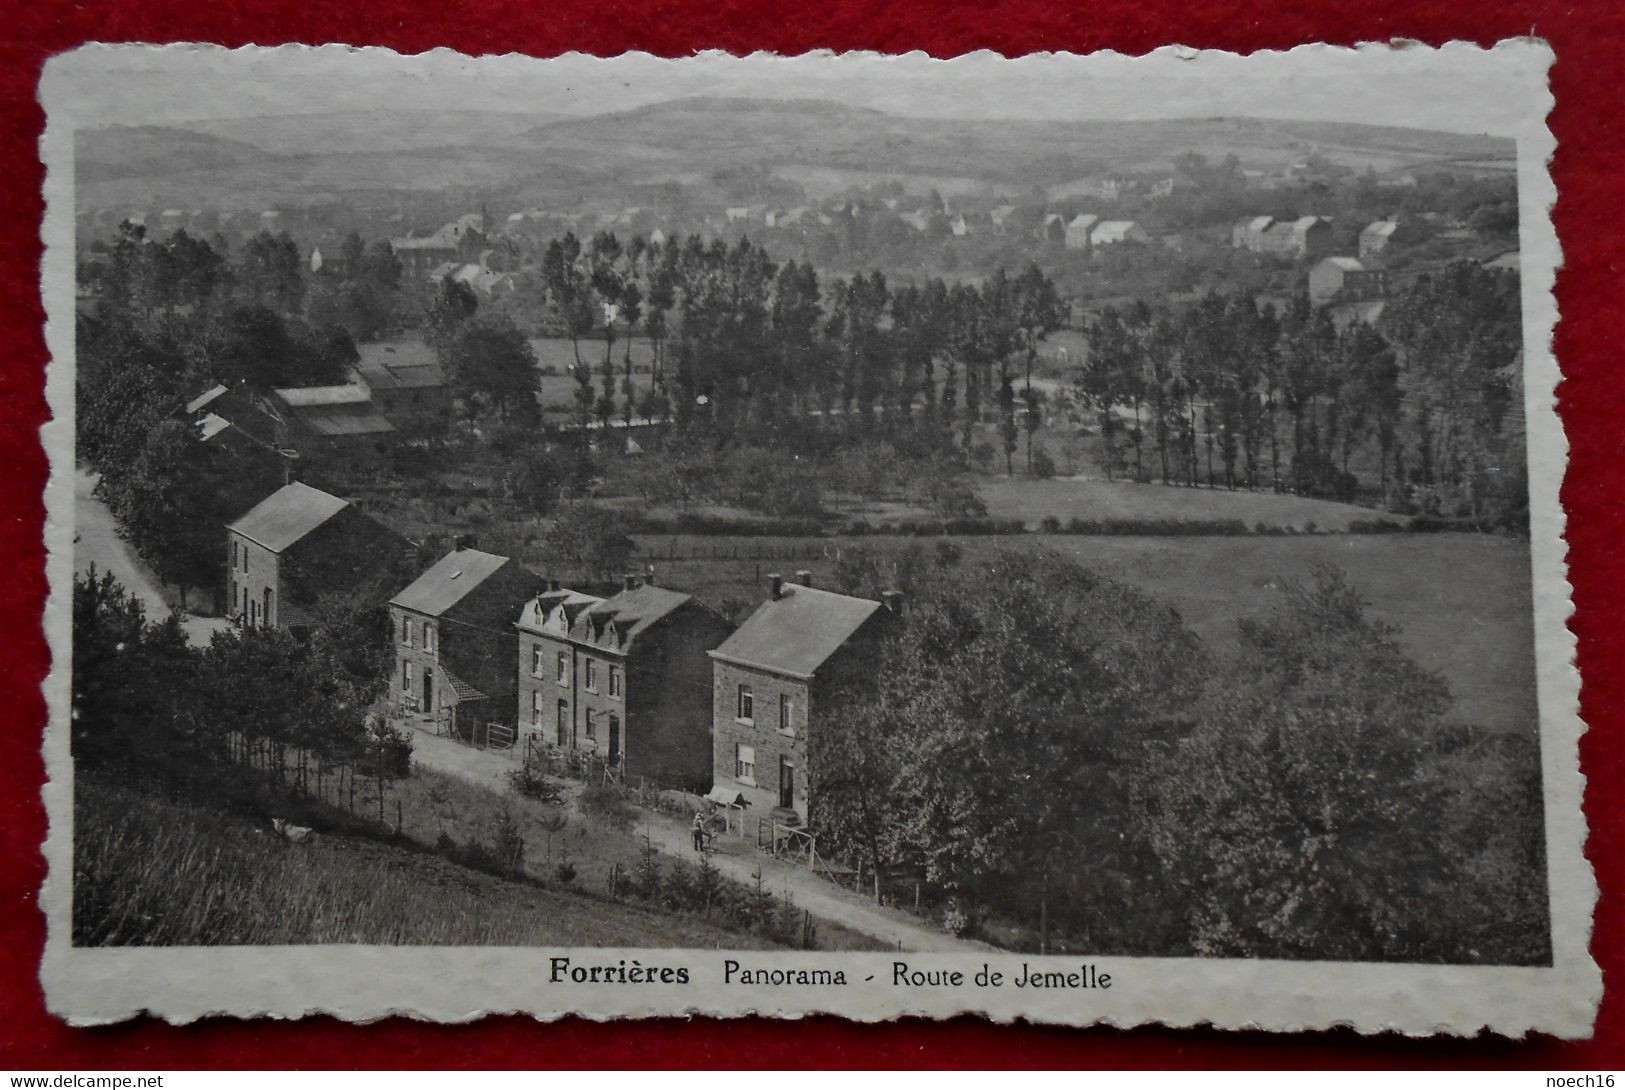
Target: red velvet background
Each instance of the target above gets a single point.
(1589, 39)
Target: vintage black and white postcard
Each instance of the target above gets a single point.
(1072, 538)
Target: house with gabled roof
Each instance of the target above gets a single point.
(772, 680)
(296, 549)
(624, 679)
(455, 644)
(328, 417)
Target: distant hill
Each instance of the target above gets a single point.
(345, 131)
(149, 150)
(699, 131)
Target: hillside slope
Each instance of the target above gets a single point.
(152, 872)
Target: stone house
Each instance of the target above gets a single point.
(771, 679)
(623, 678)
(455, 643)
(297, 547)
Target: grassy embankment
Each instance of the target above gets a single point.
(154, 872)
(157, 872)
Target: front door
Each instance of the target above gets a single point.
(787, 784)
(428, 691)
(614, 739)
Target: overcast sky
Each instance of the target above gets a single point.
(1460, 88)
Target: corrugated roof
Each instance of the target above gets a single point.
(204, 399)
(448, 581)
(339, 421)
(796, 633)
(287, 515)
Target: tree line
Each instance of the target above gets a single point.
(1414, 412)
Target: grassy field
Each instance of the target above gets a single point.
(1462, 602)
(152, 872)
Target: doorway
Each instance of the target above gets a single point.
(787, 784)
(428, 691)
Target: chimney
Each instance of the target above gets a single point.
(629, 581)
(775, 583)
(553, 585)
(804, 578)
(893, 600)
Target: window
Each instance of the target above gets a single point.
(535, 709)
(745, 764)
(564, 668)
(747, 705)
(592, 727)
(591, 681)
(234, 555)
(536, 661)
(564, 722)
(785, 708)
(614, 681)
(245, 559)
(406, 677)
(428, 637)
(406, 631)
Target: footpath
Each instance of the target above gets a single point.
(735, 857)
(97, 541)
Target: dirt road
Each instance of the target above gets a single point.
(734, 856)
(97, 541)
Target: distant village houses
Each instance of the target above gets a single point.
(1078, 231)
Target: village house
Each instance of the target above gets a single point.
(455, 644)
(1378, 237)
(458, 242)
(1112, 232)
(237, 408)
(623, 678)
(1053, 229)
(1343, 280)
(1078, 231)
(771, 680)
(1306, 237)
(295, 548)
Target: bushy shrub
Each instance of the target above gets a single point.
(603, 804)
(1043, 464)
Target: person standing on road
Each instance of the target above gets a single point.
(699, 831)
